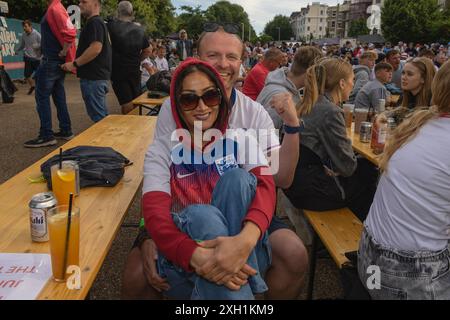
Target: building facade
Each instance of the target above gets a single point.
(444, 3)
(310, 22)
(338, 22)
(358, 9)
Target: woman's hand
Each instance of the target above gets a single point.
(202, 256)
(230, 255)
(149, 255)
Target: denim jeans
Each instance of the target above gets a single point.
(404, 274)
(50, 82)
(231, 199)
(94, 96)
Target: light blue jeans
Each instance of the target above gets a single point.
(404, 275)
(231, 199)
(94, 96)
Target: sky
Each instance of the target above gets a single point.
(259, 11)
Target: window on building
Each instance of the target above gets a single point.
(320, 28)
(309, 19)
(333, 24)
(308, 29)
(321, 19)
(321, 12)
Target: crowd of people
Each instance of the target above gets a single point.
(209, 229)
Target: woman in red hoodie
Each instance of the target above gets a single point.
(208, 195)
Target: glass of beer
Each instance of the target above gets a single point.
(63, 181)
(348, 114)
(64, 240)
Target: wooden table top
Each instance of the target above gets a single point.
(361, 147)
(102, 209)
(143, 99)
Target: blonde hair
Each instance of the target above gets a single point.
(427, 72)
(304, 58)
(371, 55)
(322, 77)
(408, 129)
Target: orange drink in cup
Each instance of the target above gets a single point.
(64, 247)
(348, 114)
(63, 181)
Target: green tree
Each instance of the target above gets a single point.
(224, 11)
(192, 20)
(264, 38)
(413, 21)
(157, 17)
(358, 27)
(164, 13)
(285, 30)
(33, 10)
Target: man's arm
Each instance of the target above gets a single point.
(289, 152)
(88, 55)
(64, 50)
(21, 46)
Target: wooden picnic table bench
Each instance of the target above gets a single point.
(362, 148)
(102, 209)
(339, 230)
(143, 101)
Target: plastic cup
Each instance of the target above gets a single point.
(360, 116)
(63, 181)
(348, 114)
(64, 250)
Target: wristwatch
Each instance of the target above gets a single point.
(75, 64)
(293, 130)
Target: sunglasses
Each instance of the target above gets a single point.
(228, 27)
(189, 101)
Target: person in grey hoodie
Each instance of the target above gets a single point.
(329, 175)
(362, 73)
(285, 80)
(369, 95)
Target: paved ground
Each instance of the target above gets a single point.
(19, 122)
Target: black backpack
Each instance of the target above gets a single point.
(99, 166)
(160, 81)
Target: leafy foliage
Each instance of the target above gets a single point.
(284, 33)
(358, 27)
(414, 21)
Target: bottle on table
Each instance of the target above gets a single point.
(379, 133)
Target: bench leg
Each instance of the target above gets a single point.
(312, 267)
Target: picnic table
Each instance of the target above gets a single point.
(102, 209)
(152, 104)
(362, 148)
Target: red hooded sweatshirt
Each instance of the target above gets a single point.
(62, 27)
(177, 246)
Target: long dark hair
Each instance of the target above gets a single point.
(224, 107)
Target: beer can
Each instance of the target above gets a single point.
(391, 124)
(75, 165)
(39, 205)
(365, 132)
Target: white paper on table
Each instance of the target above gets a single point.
(23, 275)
